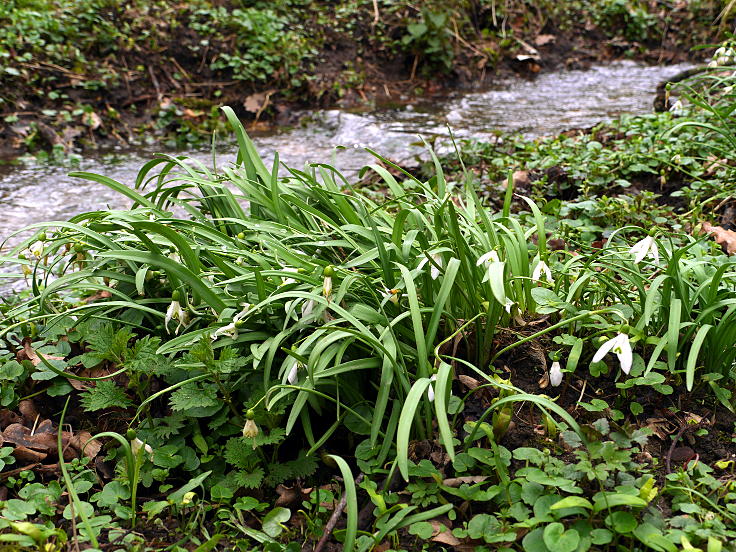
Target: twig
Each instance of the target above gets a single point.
(683, 429)
(154, 80)
(334, 518)
(376, 14)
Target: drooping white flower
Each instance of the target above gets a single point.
(621, 347)
(434, 271)
(294, 372)
(542, 270)
(490, 260)
(231, 330)
(555, 374)
(677, 108)
(430, 388)
(327, 287)
(287, 281)
(391, 294)
(175, 312)
(136, 445)
(508, 305)
(645, 247)
(36, 249)
(250, 429)
(308, 308)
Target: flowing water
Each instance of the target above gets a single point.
(551, 103)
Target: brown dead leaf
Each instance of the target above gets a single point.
(24, 454)
(102, 294)
(470, 479)
(255, 103)
(27, 353)
(81, 442)
(28, 410)
(467, 381)
(544, 39)
(725, 238)
(287, 495)
(449, 539)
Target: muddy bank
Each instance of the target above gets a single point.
(167, 68)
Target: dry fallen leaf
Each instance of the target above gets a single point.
(544, 39)
(457, 481)
(724, 238)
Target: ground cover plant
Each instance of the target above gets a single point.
(255, 357)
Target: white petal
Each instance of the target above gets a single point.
(434, 272)
(327, 286)
(307, 308)
(624, 354)
(641, 249)
(430, 393)
(654, 252)
(604, 349)
(291, 378)
(490, 257)
(555, 374)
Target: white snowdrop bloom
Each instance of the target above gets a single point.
(250, 429)
(231, 330)
(677, 108)
(327, 287)
(621, 347)
(287, 281)
(175, 312)
(308, 308)
(36, 249)
(434, 271)
(391, 294)
(490, 260)
(430, 388)
(645, 247)
(542, 270)
(136, 445)
(293, 374)
(555, 374)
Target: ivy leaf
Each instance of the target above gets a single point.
(106, 394)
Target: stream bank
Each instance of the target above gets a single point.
(160, 70)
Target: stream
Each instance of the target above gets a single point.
(549, 104)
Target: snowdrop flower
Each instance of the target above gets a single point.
(250, 429)
(328, 271)
(434, 271)
(175, 312)
(231, 330)
(621, 347)
(430, 388)
(136, 445)
(677, 108)
(542, 270)
(489, 259)
(555, 374)
(392, 295)
(287, 281)
(645, 247)
(294, 372)
(508, 305)
(308, 308)
(36, 249)
(327, 286)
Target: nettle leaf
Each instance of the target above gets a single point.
(106, 343)
(230, 361)
(240, 453)
(168, 426)
(106, 394)
(194, 395)
(302, 466)
(249, 480)
(142, 357)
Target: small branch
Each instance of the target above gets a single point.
(334, 518)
